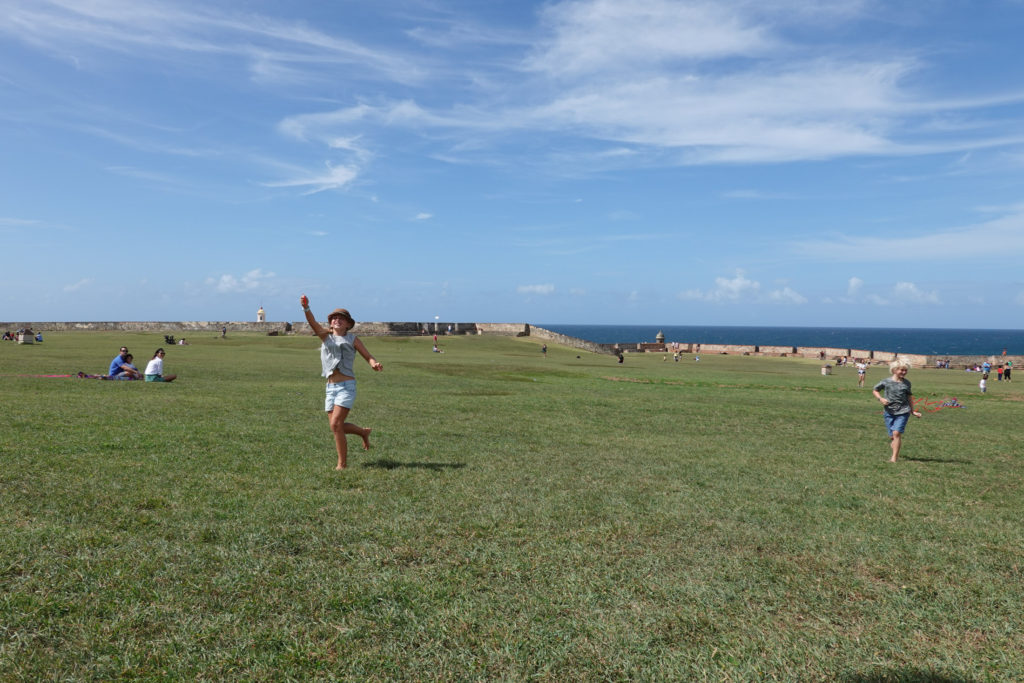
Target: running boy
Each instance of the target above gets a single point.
(894, 393)
(336, 355)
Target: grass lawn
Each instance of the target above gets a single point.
(519, 517)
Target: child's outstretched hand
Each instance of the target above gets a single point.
(304, 301)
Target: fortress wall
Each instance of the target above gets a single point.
(508, 329)
(145, 326)
(776, 350)
(563, 340)
(815, 352)
(726, 348)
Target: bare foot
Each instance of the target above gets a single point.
(892, 459)
(366, 438)
(340, 467)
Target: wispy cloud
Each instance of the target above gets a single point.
(542, 290)
(1005, 233)
(253, 280)
(334, 178)
(18, 222)
(902, 294)
(423, 216)
(84, 282)
(165, 31)
(741, 289)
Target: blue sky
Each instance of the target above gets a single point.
(795, 162)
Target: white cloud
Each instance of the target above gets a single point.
(1005, 234)
(741, 289)
(252, 280)
(726, 289)
(536, 289)
(273, 49)
(422, 216)
(335, 178)
(787, 295)
(84, 282)
(903, 293)
(909, 292)
(601, 35)
(18, 222)
(854, 286)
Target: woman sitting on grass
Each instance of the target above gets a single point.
(155, 369)
(337, 354)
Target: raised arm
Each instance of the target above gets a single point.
(374, 363)
(318, 329)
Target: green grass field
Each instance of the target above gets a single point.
(518, 518)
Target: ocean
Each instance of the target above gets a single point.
(924, 341)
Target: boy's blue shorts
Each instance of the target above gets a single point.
(896, 423)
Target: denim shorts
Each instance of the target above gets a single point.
(340, 394)
(154, 378)
(896, 423)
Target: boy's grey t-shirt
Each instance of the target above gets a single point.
(898, 393)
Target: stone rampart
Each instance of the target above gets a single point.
(776, 350)
(505, 329)
(147, 326)
(563, 340)
(730, 349)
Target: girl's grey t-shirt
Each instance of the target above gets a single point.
(898, 393)
(338, 352)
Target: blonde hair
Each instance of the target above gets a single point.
(899, 363)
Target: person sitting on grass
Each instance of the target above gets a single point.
(129, 360)
(120, 368)
(895, 394)
(155, 368)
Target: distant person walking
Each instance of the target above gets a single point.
(862, 369)
(895, 394)
(544, 350)
(1008, 370)
(337, 353)
(999, 373)
(981, 384)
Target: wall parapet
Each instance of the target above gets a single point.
(503, 329)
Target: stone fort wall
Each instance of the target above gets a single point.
(370, 329)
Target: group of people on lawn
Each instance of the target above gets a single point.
(123, 367)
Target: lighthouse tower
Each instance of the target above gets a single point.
(261, 316)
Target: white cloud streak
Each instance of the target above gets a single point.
(336, 177)
(84, 282)
(740, 289)
(542, 290)
(253, 280)
(1005, 233)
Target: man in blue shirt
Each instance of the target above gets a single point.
(119, 368)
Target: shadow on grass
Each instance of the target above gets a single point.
(944, 460)
(389, 464)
